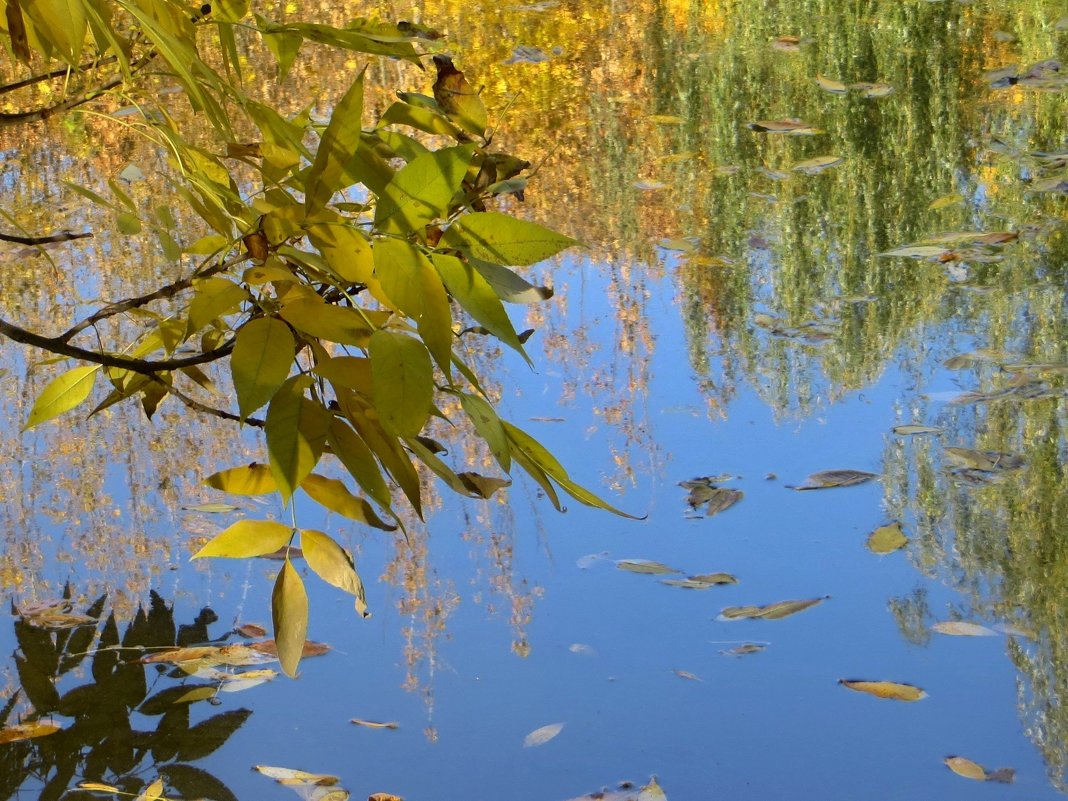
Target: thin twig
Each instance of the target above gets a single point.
(63, 236)
(196, 405)
(48, 76)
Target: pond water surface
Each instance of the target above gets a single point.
(740, 175)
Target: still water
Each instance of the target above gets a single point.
(737, 173)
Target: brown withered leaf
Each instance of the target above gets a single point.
(775, 611)
(745, 649)
(311, 648)
(885, 689)
(251, 630)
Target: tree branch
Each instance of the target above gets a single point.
(160, 294)
(58, 346)
(62, 236)
(48, 76)
(196, 405)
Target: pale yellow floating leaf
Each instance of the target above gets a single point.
(745, 648)
(702, 582)
(831, 85)
(966, 768)
(945, 201)
(646, 566)
(885, 689)
(154, 792)
(649, 186)
(247, 538)
(652, 792)
(817, 165)
(542, 735)
(680, 244)
(872, 90)
(916, 252)
(374, 724)
(887, 539)
(911, 429)
(292, 776)
(685, 674)
(960, 628)
(28, 731)
(213, 508)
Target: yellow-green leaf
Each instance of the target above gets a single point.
(885, 689)
(477, 297)
(963, 766)
(887, 539)
(338, 143)
(296, 433)
(62, 24)
(422, 191)
(502, 239)
(289, 610)
(260, 362)
(154, 792)
(403, 381)
(335, 496)
(343, 325)
(253, 479)
(488, 425)
(247, 538)
(28, 731)
(334, 565)
(357, 458)
(213, 298)
(63, 393)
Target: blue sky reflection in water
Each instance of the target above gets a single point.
(664, 365)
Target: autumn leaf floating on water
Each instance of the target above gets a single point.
(775, 611)
(816, 165)
(627, 791)
(374, 724)
(887, 539)
(965, 767)
(706, 495)
(960, 628)
(28, 731)
(702, 582)
(57, 615)
(829, 479)
(913, 429)
(745, 649)
(685, 674)
(542, 735)
(788, 127)
(885, 689)
(646, 566)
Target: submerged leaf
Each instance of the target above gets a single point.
(702, 582)
(542, 735)
(373, 724)
(292, 776)
(775, 611)
(912, 429)
(835, 478)
(685, 674)
(745, 649)
(885, 689)
(646, 566)
(985, 461)
(790, 127)
(817, 165)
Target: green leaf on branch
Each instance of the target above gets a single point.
(335, 496)
(289, 610)
(358, 459)
(340, 139)
(247, 538)
(213, 298)
(422, 191)
(478, 298)
(296, 433)
(403, 381)
(343, 325)
(501, 239)
(63, 393)
(489, 427)
(261, 361)
(334, 565)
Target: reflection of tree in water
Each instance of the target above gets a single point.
(130, 722)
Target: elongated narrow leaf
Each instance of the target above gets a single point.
(542, 735)
(247, 538)
(488, 425)
(422, 191)
(357, 458)
(334, 565)
(339, 142)
(477, 297)
(63, 393)
(403, 381)
(885, 689)
(253, 479)
(289, 609)
(334, 495)
(296, 433)
(502, 239)
(261, 360)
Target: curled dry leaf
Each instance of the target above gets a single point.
(959, 628)
(374, 724)
(885, 689)
(542, 735)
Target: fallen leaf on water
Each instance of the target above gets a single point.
(526, 54)
(649, 185)
(831, 85)
(985, 461)
(679, 243)
(965, 767)
(666, 119)
(817, 165)
(652, 792)
(916, 252)
(745, 649)
(212, 508)
(912, 429)
(885, 689)
(959, 628)
(582, 648)
(374, 724)
(542, 735)
(645, 566)
(713, 499)
(153, 792)
(583, 562)
(872, 90)
(789, 44)
(685, 674)
(292, 776)
(702, 582)
(945, 201)
(102, 788)
(384, 797)
(887, 539)
(829, 479)
(251, 630)
(775, 611)
(28, 731)
(790, 127)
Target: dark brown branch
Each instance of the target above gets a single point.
(133, 303)
(49, 76)
(196, 405)
(58, 346)
(62, 236)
